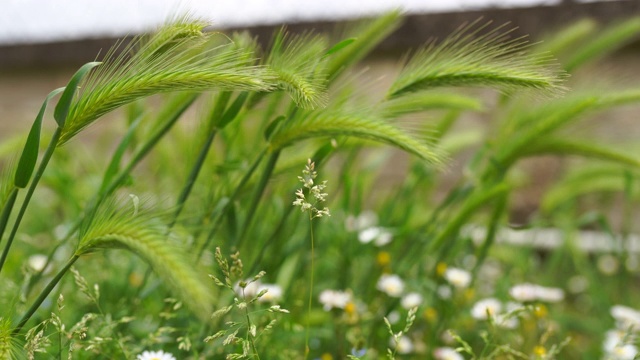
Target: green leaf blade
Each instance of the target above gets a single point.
(29, 156)
(62, 109)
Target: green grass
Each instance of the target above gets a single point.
(414, 260)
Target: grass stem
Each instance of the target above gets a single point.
(6, 210)
(55, 138)
(43, 295)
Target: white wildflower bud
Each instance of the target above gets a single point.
(486, 308)
(457, 277)
(331, 299)
(411, 300)
(402, 345)
(392, 285)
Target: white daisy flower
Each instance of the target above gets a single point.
(37, 262)
(550, 295)
(524, 292)
(457, 277)
(411, 300)
(383, 238)
(366, 219)
(403, 346)
(155, 355)
(392, 285)
(618, 346)
(379, 235)
(369, 234)
(250, 290)
(444, 292)
(626, 317)
(273, 294)
(331, 299)
(531, 292)
(447, 353)
(485, 308)
(507, 322)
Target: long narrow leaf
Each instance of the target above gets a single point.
(565, 41)
(609, 40)
(367, 36)
(62, 109)
(589, 182)
(583, 148)
(29, 156)
(423, 101)
(114, 164)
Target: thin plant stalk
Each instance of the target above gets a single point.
(257, 195)
(55, 138)
(218, 111)
(498, 211)
(191, 179)
(276, 234)
(43, 295)
(6, 210)
(306, 336)
(146, 147)
(218, 219)
(218, 119)
(249, 336)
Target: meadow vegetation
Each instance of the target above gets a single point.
(262, 228)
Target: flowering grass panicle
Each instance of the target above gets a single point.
(315, 190)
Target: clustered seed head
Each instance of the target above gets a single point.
(308, 174)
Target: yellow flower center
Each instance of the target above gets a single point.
(430, 314)
(326, 356)
(383, 258)
(540, 311)
(350, 308)
(539, 350)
